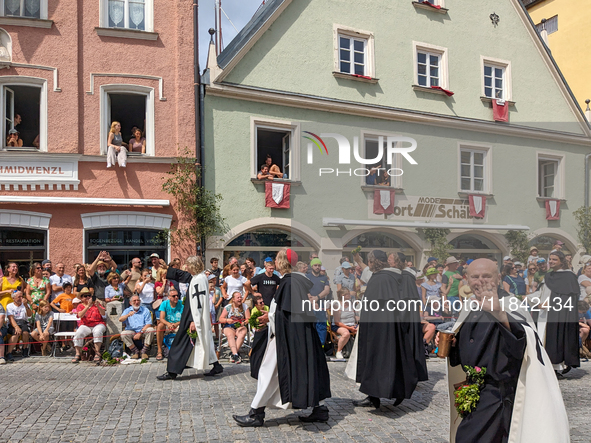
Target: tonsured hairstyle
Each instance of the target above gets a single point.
(562, 258)
(194, 264)
(378, 265)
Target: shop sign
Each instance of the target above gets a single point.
(425, 208)
(59, 171)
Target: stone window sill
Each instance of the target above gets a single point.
(489, 100)
(372, 188)
(430, 90)
(465, 194)
(421, 5)
(256, 181)
(355, 77)
(126, 33)
(26, 21)
(543, 199)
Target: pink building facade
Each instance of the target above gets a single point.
(68, 69)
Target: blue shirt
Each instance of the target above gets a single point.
(516, 284)
(172, 315)
(320, 283)
(138, 320)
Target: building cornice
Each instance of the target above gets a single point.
(285, 98)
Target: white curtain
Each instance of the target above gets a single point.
(12, 7)
(32, 8)
(136, 14)
(116, 10)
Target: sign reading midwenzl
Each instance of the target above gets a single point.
(32, 173)
(408, 207)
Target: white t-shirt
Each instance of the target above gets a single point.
(582, 278)
(147, 294)
(234, 285)
(18, 312)
(57, 280)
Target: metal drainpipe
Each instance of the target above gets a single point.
(197, 92)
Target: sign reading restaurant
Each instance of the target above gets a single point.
(425, 208)
(32, 172)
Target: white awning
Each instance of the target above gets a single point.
(328, 222)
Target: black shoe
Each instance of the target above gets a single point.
(217, 369)
(25, 353)
(367, 402)
(254, 419)
(167, 376)
(319, 414)
(397, 402)
(559, 376)
(567, 370)
(237, 359)
(9, 357)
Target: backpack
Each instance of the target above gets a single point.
(116, 348)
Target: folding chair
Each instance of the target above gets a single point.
(62, 319)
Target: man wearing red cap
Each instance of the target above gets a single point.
(293, 372)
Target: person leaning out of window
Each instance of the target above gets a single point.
(116, 152)
(13, 140)
(137, 143)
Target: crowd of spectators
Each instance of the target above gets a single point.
(151, 305)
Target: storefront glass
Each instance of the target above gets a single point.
(125, 244)
(264, 243)
(22, 246)
(474, 246)
(389, 243)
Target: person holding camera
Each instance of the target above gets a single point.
(145, 288)
(90, 312)
(99, 271)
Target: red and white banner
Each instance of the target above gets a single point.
(500, 110)
(552, 209)
(383, 201)
(277, 195)
(477, 205)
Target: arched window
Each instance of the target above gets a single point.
(384, 241)
(474, 246)
(262, 243)
(545, 245)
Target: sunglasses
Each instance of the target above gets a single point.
(173, 295)
(85, 296)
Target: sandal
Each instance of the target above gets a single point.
(76, 359)
(159, 356)
(97, 359)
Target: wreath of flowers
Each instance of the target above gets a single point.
(467, 394)
(253, 320)
(192, 335)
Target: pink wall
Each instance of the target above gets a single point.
(73, 46)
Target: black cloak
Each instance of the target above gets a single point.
(484, 342)
(562, 327)
(259, 345)
(386, 366)
(303, 374)
(181, 347)
(415, 327)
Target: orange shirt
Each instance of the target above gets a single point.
(65, 301)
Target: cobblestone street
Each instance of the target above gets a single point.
(53, 400)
